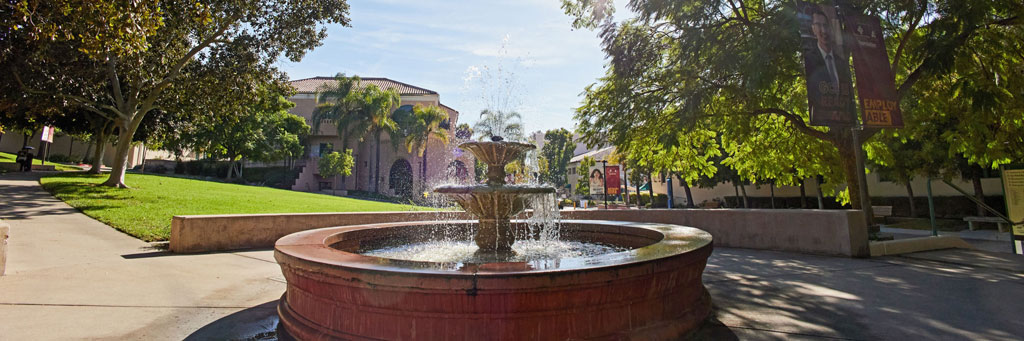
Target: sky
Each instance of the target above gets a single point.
(520, 55)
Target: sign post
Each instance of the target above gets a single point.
(45, 139)
(1013, 194)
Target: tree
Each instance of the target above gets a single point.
(506, 124)
(262, 131)
(205, 57)
(702, 67)
(358, 111)
(378, 105)
(583, 176)
(336, 164)
(557, 151)
(427, 124)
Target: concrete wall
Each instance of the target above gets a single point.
(830, 232)
(191, 234)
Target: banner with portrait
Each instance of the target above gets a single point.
(826, 66)
(596, 181)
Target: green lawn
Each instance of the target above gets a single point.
(11, 158)
(145, 210)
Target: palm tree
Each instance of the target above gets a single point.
(339, 103)
(376, 108)
(508, 125)
(426, 123)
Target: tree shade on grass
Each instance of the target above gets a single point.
(12, 158)
(145, 210)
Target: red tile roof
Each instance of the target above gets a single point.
(311, 85)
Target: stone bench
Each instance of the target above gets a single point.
(883, 212)
(999, 222)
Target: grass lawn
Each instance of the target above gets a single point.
(12, 158)
(145, 210)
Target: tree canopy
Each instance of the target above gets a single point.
(686, 79)
(150, 58)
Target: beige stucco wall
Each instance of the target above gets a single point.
(65, 145)
(439, 155)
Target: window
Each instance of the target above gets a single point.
(326, 148)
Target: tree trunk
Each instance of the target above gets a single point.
(423, 172)
(625, 181)
(100, 139)
(910, 196)
(849, 163)
(746, 199)
(821, 196)
(124, 146)
(803, 195)
(376, 168)
(737, 189)
(979, 192)
(771, 189)
(689, 194)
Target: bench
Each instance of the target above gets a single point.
(883, 212)
(999, 222)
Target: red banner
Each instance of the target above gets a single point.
(613, 180)
(875, 83)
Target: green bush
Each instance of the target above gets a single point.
(60, 158)
(644, 199)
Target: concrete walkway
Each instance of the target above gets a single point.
(70, 277)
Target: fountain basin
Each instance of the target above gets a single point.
(653, 290)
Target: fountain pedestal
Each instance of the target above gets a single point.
(494, 203)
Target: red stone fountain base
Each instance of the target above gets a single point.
(653, 291)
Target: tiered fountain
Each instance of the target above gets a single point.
(496, 278)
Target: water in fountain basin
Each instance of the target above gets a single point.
(534, 251)
(541, 243)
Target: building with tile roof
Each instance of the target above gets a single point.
(401, 173)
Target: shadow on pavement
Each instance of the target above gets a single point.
(256, 323)
(22, 201)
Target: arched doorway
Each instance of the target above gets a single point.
(400, 178)
(457, 170)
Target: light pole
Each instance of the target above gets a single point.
(604, 171)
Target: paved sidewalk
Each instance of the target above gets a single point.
(70, 277)
(986, 240)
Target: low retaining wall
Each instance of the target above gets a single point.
(830, 232)
(202, 233)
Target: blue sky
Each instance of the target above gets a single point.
(457, 47)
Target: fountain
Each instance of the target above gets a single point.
(496, 278)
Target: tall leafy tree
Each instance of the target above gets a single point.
(199, 55)
(557, 151)
(427, 124)
(733, 68)
(583, 176)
